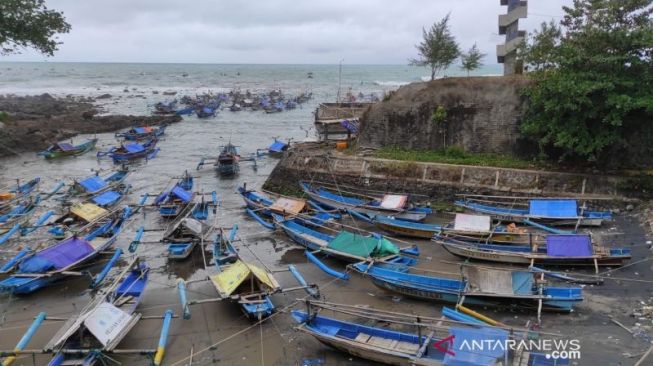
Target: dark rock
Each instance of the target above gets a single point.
(104, 96)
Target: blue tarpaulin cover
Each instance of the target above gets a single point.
(277, 146)
(476, 347)
(569, 245)
(207, 110)
(107, 198)
(553, 208)
(139, 130)
(93, 184)
(57, 256)
(134, 148)
(540, 359)
(181, 194)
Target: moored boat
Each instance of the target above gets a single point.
(131, 151)
(475, 286)
(559, 250)
(12, 194)
(173, 201)
(96, 185)
(63, 149)
(228, 161)
(388, 205)
(551, 211)
(142, 133)
(55, 262)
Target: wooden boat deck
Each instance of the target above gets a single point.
(388, 344)
(311, 238)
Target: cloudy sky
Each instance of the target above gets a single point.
(273, 31)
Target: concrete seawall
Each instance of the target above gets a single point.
(433, 179)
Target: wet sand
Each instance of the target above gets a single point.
(218, 332)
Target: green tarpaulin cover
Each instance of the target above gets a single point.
(362, 246)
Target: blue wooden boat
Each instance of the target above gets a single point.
(477, 286)
(173, 201)
(131, 151)
(63, 149)
(95, 185)
(12, 194)
(142, 133)
(92, 332)
(228, 161)
(388, 205)
(559, 250)
(183, 236)
(57, 261)
(205, 112)
(346, 245)
(277, 147)
(437, 342)
(543, 210)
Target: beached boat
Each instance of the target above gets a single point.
(103, 323)
(63, 149)
(142, 133)
(95, 185)
(388, 205)
(277, 148)
(183, 236)
(173, 201)
(346, 245)
(476, 286)
(436, 342)
(57, 261)
(542, 210)
(12, 194)
(559, 250)
(75, 217)
(228, 160)
(470, 226)
(131, 151)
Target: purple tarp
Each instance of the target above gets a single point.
(65, 146)
(569, 246)
(66, 252)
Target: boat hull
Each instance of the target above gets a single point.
(336, 205)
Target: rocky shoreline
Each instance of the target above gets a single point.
(32, 123)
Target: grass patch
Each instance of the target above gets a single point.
(4, 117)
(455, 155)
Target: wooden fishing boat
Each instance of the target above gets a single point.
(183, 236)
(103, 323)
(559, 250)
(12, 194)
(277, 148)
(205, 112)
(131, 151)
(142, 133)
(474, 227)
(241, 282)
(437, 341)
(173, 201)
(76, 217)
(59, 260)
(543, 210)
(63, 149)
(388, 205)
(476, 286)
(228, 161)
(260, 207)
(346, 245)
(95, 185)
(166, 107)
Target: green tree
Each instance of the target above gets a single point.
(30, 24)
(438, 49)
(591, 98)
(472, 59)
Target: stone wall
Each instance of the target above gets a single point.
(483, 115)
(440, 181)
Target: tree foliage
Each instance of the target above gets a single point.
(472, 59)
(438, 49)
(592, 95)
(30, 24)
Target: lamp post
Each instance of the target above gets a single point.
(339, 78)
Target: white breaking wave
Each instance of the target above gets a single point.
(391, 83)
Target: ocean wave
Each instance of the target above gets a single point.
(391, 83)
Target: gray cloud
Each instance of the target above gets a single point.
(281, 31)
